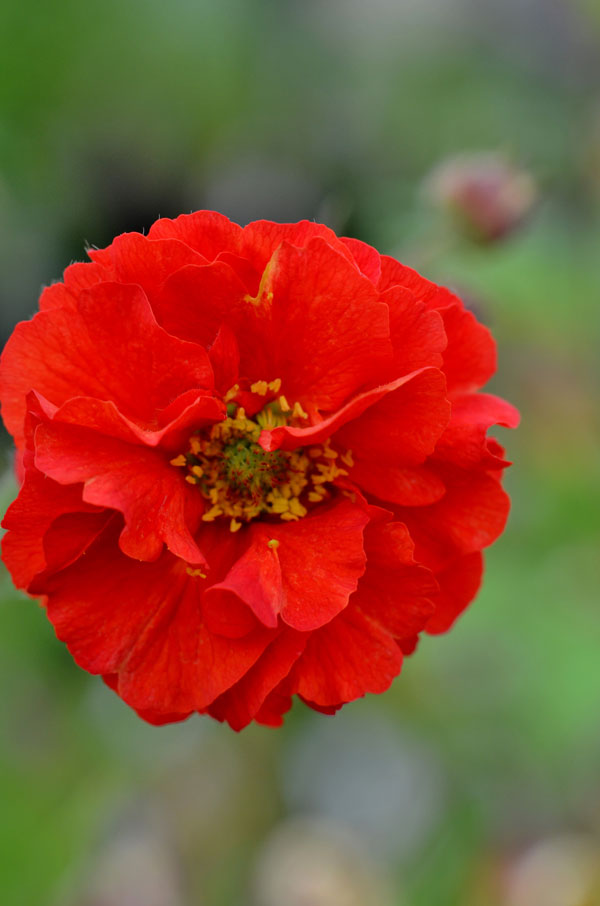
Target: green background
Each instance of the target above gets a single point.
(476, 780)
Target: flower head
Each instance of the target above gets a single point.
(254, 465)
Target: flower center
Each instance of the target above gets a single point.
(242, 482)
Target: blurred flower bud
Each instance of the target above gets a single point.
(484, 192)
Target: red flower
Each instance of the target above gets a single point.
(254, 465)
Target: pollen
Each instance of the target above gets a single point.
(241, 482)
(195, 573)
(298, 411)
(260, 387)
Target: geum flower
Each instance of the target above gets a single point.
(254, 465)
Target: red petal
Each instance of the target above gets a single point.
(133, 258)
(194, 301)
(344, 660)
(158, 504)
(225, 359)
(308, 578)
(470, 357)
(366, 257)
(255, 579)
(464, 441)
(240, 704)
(273, 708)
(207, 232)
(40, 502)
(401, 429)
(263, 237)
(322, 558)
(143, 621)
(459, 583)
(395, 591)
(287, 438)
(325, 331)
(417, 333)
(108, 349)
(469, 517)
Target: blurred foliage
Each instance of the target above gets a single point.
(324, 109)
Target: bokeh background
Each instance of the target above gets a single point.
(464, 137)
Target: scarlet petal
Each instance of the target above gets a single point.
(134, 258)
(321, 551)
(345, 659)
(395, 591)
(240, 704)
(255, 580)
(403, 426)
(470, 357)
(143, 621)
(366, 257)
(469, 517)
(326, 331)
(459, 583)
(40, 502)
(192, 410)
(158, 505)
(271, 712)
(464, 442)
(194, 301)
(417, 333)
(108, 348)
(207, 232)
(263, 237)
(225, 359)
(287, 438)
(390, 441)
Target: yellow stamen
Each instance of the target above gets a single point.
(179, 461)
(232, 393)
(347, 458)
(275, 385)
(283, 404)
(198, 471)
(212, 514)
(273, 544)
(234, 525)
(298, 411)
(191, 479)
(195, 573)
(259, 387)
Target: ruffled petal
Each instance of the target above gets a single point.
(206, 232)
(109, 348)
(287, 565)
(368, 259)
(41, 501)
(395, 591)
(143, 621)
(470, 516)
(459, 583)
(322, 329)
(157, 503)
(194, 301)
(137, 259)
(464, 442)
(346, 659)
(241, 704)
(470, 356)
